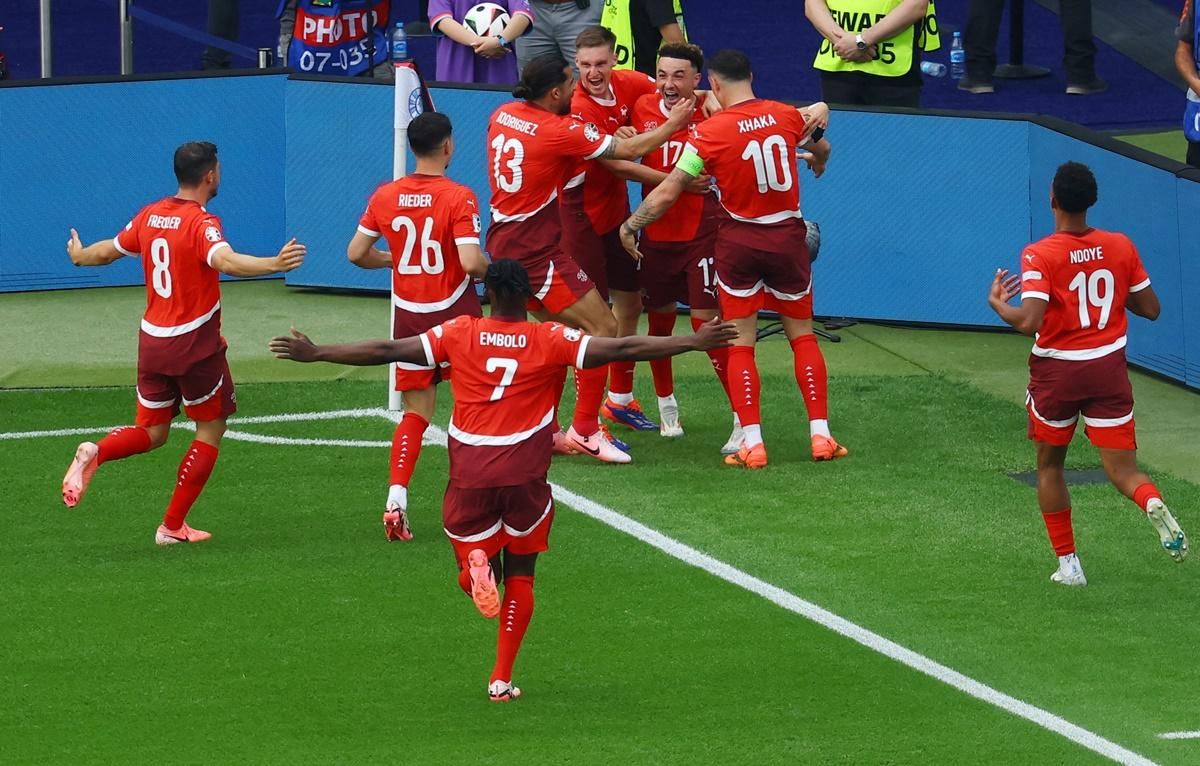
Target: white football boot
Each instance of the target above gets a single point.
(1174, 541)
(1069, 572)
(668, 417)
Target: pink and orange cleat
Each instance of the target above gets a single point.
(184, 534)
(598, 445)
(825, 448)
(503, 691)
(83, 467)
(395, 525)
(749, 457)
(483, 584)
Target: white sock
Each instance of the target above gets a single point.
(753, 435)
(819, 428)
(398, 494)
(621, 399)
(668, 402)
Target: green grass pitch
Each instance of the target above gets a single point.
(297, 635)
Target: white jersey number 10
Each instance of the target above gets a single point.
(772, 163)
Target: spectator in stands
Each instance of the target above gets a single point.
(315, 51)
(559, 22)
(879, 66)
(464, 56)
(1187, 61)
(642, 27)
(223, 23)
(1079, 47)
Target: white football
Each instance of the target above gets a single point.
(486, 19)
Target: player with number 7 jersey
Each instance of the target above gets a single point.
(431, 225)
(181, 354)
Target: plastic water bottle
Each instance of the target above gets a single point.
(399, 42)
(958, 58)
(933, 69)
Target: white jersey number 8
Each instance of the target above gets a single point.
(160, 278)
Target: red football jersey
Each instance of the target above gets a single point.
(177, 239)
(1084, 279)
(424, 219)
(681, 222)
(605, 198)
(507, 377)
(531, 151)
(750, 150)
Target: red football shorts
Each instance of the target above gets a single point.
(517, 519)
(679, 272)
(205, 390)
(556, 278)
(764, 267)
(405, 324)
(1061, 391)
(601, 255)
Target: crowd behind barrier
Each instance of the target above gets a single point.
(909, 235)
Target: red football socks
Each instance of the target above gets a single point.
(664, 379)
(515, 612)
(719, 358)
(589, 395)
(811, 376)
(123, 442)
(1145, 493)
(744, 385)
(406, 448)
(464, 579)
(1062, 536)
(194, 470)
(620, 377)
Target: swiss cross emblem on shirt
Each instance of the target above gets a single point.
(591, 132)
(624, 110)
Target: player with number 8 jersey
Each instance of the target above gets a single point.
(181, 354)
(431, 225)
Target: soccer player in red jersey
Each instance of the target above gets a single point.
(181, 354)
(533, 146)
(424, 217)
(1075, 286)
(761, 257)
(498, 507)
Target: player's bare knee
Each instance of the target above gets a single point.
(158, 434)
(519, 564)
(421, 401)
(210, 431)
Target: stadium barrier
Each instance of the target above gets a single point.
(917, 210)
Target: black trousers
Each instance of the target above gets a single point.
(223, 23)
(1079, 47)
(1193, 154)
(868, 90)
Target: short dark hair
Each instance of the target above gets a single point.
(427, 132)
(508, 280)
(730, 64)
(1074, 187)
(193, 160)
(540, 76)
(687, 51)
(596, 36)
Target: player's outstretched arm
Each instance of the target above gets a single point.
(640, 348)
(362, 253)
(235, 264)
(298, 347)
(644, 143)
(1026, 318)
(473, 261)
(654, 205)
(1144, 303)
(99, 253)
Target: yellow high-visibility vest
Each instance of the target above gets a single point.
(893, 56)
(615, 17)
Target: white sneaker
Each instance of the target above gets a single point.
(736, 437)
(1174, 541)
(1069, 572)
(502, 691)
(597, 446)
(668, 417)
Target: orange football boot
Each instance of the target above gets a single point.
(184, 534)
(83, 467)
(483, 584)
(825, 448)
(749, 457)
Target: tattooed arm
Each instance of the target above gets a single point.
(653, 206)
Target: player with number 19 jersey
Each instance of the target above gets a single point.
(180, 348)
(424, 219)
(1077, 363)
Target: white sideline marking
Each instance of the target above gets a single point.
(717, 568)
(1179, 735)
(836, 623)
